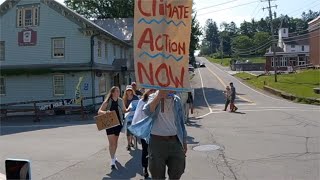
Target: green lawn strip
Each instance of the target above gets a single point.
(225, 61)
(257, 59)
(299, 84)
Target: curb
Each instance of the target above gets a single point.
(290, 96)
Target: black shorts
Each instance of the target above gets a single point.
(114, 130)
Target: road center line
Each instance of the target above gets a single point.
(225, 85)
(204, 93)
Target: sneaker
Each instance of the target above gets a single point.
(128, 148)
(235, 109)
(113, 167)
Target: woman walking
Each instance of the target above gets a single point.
(128, 97)
(113, 103)
(138, 116)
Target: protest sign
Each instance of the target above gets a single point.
(161, 43)
(107, 121)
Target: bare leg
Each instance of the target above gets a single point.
(113, 144)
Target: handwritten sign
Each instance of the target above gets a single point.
(161, 43)
(107, 121)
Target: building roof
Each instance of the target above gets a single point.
(65, 11)
(316, 19)
(297, 40)
(122, 28)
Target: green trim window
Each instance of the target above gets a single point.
(58, 85)
(2, 50)
(58, 47)
(106, 51)
(102, 86)
(28, 16)
(2, 86)
(99, 49)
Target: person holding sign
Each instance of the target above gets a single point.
(128, 97)
(113, 103)
(167, 143)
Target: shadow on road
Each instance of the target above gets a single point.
(20, 124)
(130, 169)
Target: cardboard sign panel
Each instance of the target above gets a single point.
(107, 121)
(161, 43)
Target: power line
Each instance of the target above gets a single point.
(228, 8)
(217, 5)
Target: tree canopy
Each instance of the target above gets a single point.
(252, 37)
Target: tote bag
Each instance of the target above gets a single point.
(142, 129)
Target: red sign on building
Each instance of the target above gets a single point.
(27, 37)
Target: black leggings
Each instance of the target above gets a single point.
(144, 158)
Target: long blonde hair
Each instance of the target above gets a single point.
(125, 96)
(109, 95)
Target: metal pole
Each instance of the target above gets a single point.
(273, 47)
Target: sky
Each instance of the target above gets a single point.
(251, 9)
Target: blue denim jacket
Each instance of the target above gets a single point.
(179, 118)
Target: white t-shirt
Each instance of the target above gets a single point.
(165, 125)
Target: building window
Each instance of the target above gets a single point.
(58, 47)
(106, 51)
(102, 85)
(283, 62)
(2, 86)
(284, 30)
(2, 50)
(99, 48)
(28, 17)
(301, 61)
(302, 48)
(58, 85)
(125, 53)
(293, 46)
(121, 53)
(114, 51)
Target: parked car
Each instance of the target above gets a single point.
(202, 64)
(198, 64)
(191, 68)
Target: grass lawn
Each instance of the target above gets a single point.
(225, 61)
(257, 59)
(300, 84)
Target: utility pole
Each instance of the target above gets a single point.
(221, 49)
(273, 48)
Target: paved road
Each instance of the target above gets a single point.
(269, 138)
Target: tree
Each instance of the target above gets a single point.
(100, 9)
(261, 41)
(211, 35)
(242, 43)
(195, 34)
(310, 15)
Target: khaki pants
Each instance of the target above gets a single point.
(166, 153)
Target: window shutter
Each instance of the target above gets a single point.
(19, 17)
(35, 16)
